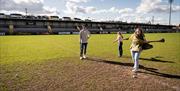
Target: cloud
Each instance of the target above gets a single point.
(114, 10)
(50, 10)
(125, 10)
(77, 1)
(126, 17)
(28, 1)
(148, 6)
(140, 18)
(73, 7)
(133, 17)
(33, 7)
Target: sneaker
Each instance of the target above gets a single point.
(134, 76)
(81, 58)
(134, 70)
(84, 56)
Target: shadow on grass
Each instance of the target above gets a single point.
(156, 60)
(151, 71)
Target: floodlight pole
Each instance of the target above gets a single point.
(170, 9)
(26, 11)
(152, 20)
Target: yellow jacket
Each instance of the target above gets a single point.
(136, 44)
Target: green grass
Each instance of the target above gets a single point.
(38, 48)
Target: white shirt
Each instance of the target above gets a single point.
(84, 35)
(120, 39)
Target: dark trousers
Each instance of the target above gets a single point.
(120, 49)
(83, 47)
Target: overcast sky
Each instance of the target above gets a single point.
(99, 10)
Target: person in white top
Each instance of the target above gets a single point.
(84, 36)
(120, 43)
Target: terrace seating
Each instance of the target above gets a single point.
(30, 30)
(4, 30)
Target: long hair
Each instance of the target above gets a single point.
(141, 35)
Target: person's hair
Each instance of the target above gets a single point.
(85, 25)
(119, 33)
(141, 35)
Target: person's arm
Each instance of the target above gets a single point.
(78, 28)
(143, 41)
(125, 38)
(146, 41)
(80, 36)
(89, 34)
(116, 39)
(129, 37)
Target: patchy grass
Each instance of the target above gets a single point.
(51, 62)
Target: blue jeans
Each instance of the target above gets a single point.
(120, 49)
(135, 57)
(83, 47)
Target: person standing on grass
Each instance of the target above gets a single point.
(120, 43)
(139, 43)
(137, 40)
(84, 36)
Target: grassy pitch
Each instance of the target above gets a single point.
(26, 53)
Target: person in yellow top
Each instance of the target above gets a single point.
(137, 40)
(139, 43)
